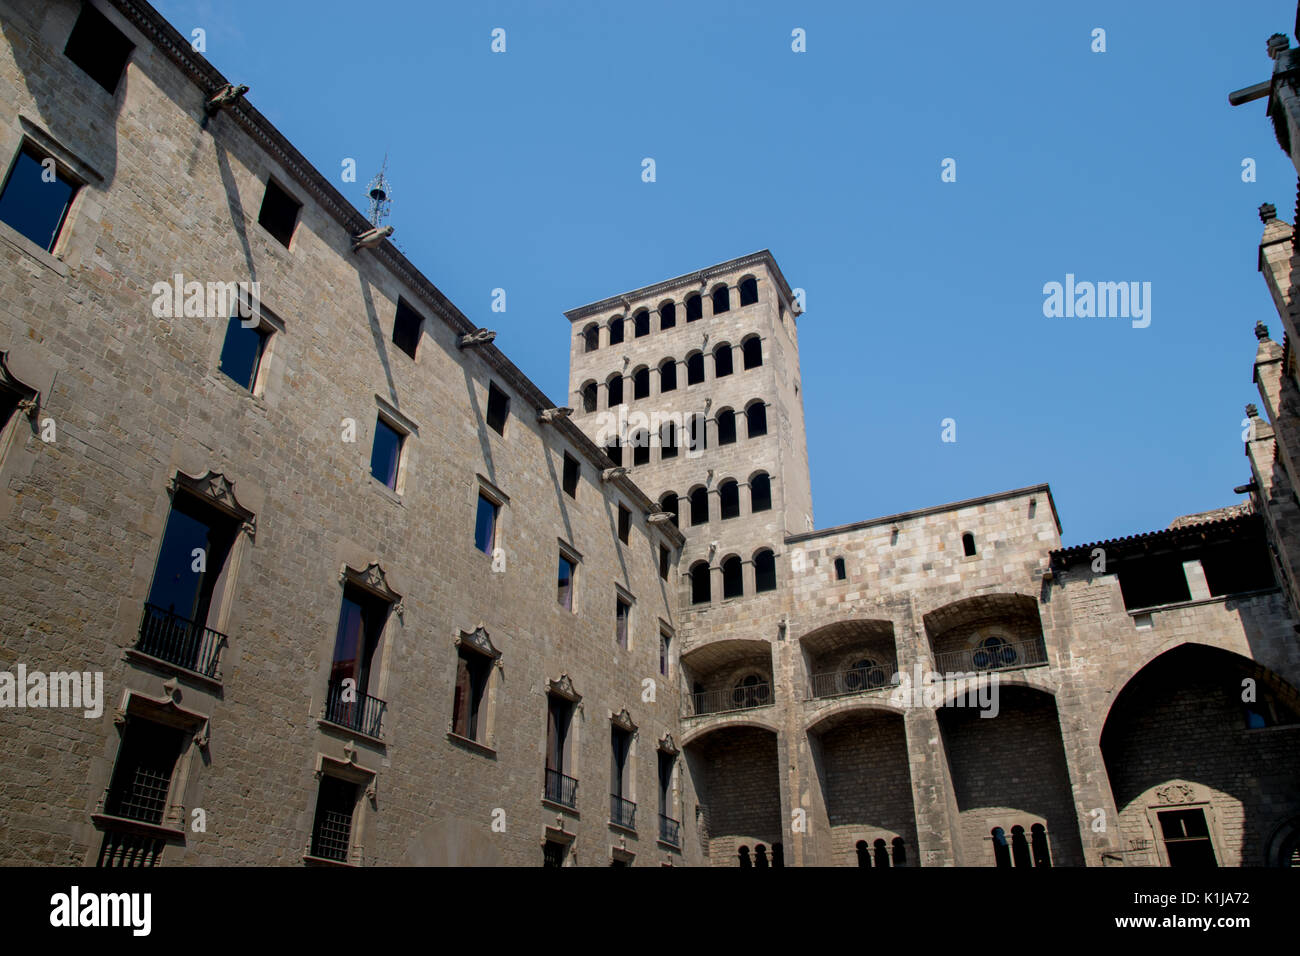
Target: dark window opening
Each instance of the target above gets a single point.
(729, 500)
(620, 747)
(900, 852)
(748, 291)
(485, 524)
(700, 590)
(98, 47)
(695, 368)
(571, 472)
(143, 772)
(179, 596)
(1020, 847)
(241, 353)
(840, 571)
(664, 557)
(697, 437)
(362, 616)
(752, 352)
(968, 544)
(279, 213)
(591, 338)
(733, 578)
(498, 409)
(33, 207)
(668, 375)
(1150, 581)
(641, 383)
(1038, 839)
(641, 324)
(881, 853)
(553, 853)
(331, 832)
(564, 583)
(641, 447)
(699, 506)
(756, 419)
(614, 451)
(764, 571)
(721, 300)
(1236, 567)
(624, 523)
(726, 423)
(616, 331)
(864, 853)
(386, 453)
(472, 672)
(760, 493)
(615, 386)
(667, 316)
(1187, 838)
(694, 307)
(406, 328)
(722, 361)
(668, 440)
(589, 392)
(668, 503)
(1001, 851)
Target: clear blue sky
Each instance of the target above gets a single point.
(522, 170)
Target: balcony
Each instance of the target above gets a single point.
(741, 697)
(622, 812)
(670, 831)
(168, 637)
(993, 655)
(561, 789)
(364, 714)
(855, 680)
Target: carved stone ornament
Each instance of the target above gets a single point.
(563, 688)
(28, 398)
(623, 720)
(668, 745)
(375, 581)
(478, 640)
(1176, 793)
(219, 491)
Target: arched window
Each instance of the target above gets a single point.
(641, 383)
(756, 419)
(640, 442)
(840, 571)
(764, 570)
(589, 392)
(778, 855)
(667, 315)
(641, 324)
(700, 506)
(968, 544)
(864, 853)
(667, 440)
(1001, 852)
(1020, 847)
(744, 857)
(613, 451)
(668, 503)
(760, 492)
(881, 853)
(726, 422)
(722, 360)
(752, 350)
(721, 300)
(694, 307)
(729, 500)
(1038, 837)
(900, 852)
(700, 583)
(616, 330)
(591, 337)
(697, 438)
(748, 291)
(733, 577)
(760, 856)
(695, 368)
(667, 375)
(615, 387)
(751, 691)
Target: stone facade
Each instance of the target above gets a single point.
(948, 686)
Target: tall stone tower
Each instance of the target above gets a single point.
(693, 384)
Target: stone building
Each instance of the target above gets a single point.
(358, 593)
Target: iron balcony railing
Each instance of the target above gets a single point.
(622, 812)
(993, 656)
(176, 640)
(359, 712)
(670, 830)
(855, 680)
(561, 789)
(743, 697)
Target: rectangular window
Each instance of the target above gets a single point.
(279, 213)
(472, 672)
(406, 328)
(1187, 838)
(241, 355)
(622, 811)
(387, 453)
(1151, 581)
(664, 557)
(98, 47)
(560, 788)
(32, 206)
(665, 643)
(553, 853)
(571, 473)
(498, 409)
(624, 523)
(143, 772)
(485, 524)
(622, 612)
(565, 583)
(331, 833)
